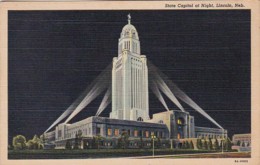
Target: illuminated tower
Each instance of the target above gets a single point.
(129, 78)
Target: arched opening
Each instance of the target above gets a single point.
(140, 119)
(180, 128)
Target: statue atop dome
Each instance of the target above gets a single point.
(129, 18)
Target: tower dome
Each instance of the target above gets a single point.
(129, 30)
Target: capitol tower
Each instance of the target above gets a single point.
(129, 78)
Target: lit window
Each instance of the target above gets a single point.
(116, 132)
(135, 133)
(179, 136)
(152, 133)
(147, 134)
(179, 121)
(109, 131)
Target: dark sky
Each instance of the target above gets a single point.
(55, 55)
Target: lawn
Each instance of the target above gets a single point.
(93, 153)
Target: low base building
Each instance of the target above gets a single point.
(168, 129)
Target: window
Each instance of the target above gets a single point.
(135, 133)
(178, 136)
(98, 131)
(140, 119)
(116, 132)
(147, 134)
(59, 133)
(180, 121)
(141, 133)
(152, 133)
(109, 132)
(161, 122)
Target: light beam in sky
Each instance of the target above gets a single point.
(158, 94)
(105, 102)
(88, 91)
(179, 93)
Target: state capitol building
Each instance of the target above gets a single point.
(130, 109)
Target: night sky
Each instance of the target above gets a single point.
(54, 55)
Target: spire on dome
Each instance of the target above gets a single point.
(129, 18)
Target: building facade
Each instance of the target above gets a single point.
(242, 140)
(166, 126)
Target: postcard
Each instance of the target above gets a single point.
(107, 82)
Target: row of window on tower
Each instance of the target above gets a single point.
(127, 46)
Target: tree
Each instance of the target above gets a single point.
(76, 144)
(35, 143)
(210, 145)
(243, 144)
(141, 142)
(19, 142)
(228, 144)
(158, 143)
(191, 145)
(43, 140)
(221, 144)
(187, 145)
(97, 140)
(216, 145)
(119, 143)
(183, 145)
(10, 147)
(199, 143)
(124, 140)
(78, 139)
(205, 145)
(68, 145)
(30, 144)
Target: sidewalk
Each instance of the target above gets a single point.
(174, 155)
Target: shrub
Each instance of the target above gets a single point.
(19, 142)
